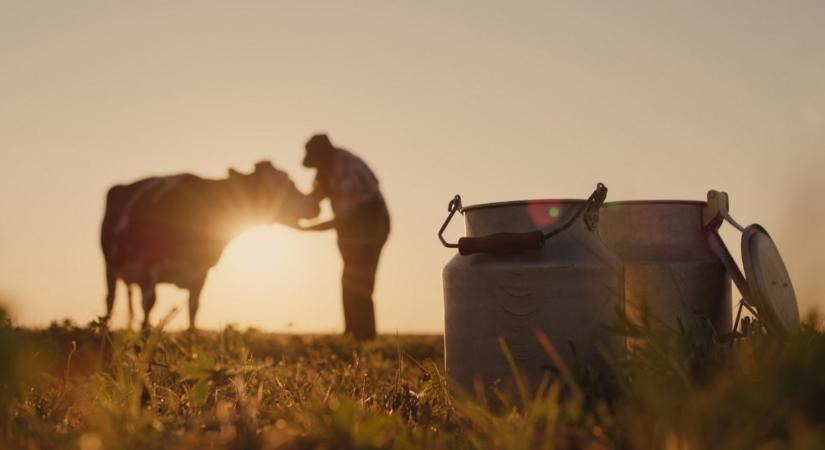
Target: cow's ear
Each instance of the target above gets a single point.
(233, 174)
(264, 165)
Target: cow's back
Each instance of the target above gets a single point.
(118, 201)
(161, 219)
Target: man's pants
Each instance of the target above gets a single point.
(357, 284)
(360, 245)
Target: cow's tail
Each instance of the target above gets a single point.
(115, 202)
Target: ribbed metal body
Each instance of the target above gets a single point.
(669, 267)
(569, 291)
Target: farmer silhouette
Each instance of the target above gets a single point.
(361, 221)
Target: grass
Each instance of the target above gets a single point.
(89, 388)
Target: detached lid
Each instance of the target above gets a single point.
(768, 281)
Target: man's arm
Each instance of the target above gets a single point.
(318, 193)
(323, 226)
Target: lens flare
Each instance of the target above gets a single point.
(544, 213)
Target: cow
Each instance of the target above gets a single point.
(173, 229)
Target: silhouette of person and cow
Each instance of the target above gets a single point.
(173, 229)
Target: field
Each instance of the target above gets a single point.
(91, 388)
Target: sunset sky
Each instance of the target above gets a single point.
(495, 101)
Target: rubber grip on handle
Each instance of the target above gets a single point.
(501, 243)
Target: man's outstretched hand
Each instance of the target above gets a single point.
(323, 226)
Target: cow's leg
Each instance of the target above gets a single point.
(131, 308)
(194, 299)
(111, 286)
(148, 296)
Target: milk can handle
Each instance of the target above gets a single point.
(452, 207)
(716, 211)
(505, 243)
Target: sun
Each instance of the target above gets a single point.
(276, 278)
(260, 251)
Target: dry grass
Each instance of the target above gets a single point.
(89, 388)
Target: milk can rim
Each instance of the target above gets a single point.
(579, 201)
(553, 201)
(655, 202)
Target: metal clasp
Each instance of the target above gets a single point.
(717, 210)
(452, 207)
(595, 202)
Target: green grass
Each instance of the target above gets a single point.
(89, 388)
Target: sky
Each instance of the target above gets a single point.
(492, 100)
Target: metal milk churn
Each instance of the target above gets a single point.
(524, 269)
(671, 273)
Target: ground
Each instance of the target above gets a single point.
(92, 388)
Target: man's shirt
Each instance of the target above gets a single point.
(350, 184)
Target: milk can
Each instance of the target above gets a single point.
(671, 273)
(527, 268)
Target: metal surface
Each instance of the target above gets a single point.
(769, 282)
(672, 276)
(569, 290)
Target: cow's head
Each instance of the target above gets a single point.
(268, 195)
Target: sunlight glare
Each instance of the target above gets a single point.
(257, 253)
(276, 278)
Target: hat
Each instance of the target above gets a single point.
(319, 142)
(318, 149)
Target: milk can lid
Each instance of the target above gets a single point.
(768, 281)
